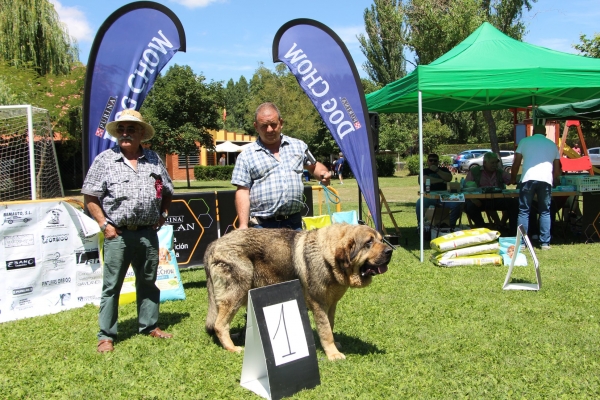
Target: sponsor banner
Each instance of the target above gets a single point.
(326, 72)
(130, 49)
(46, 264)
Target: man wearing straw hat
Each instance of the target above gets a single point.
(128, 192)
(268, 175)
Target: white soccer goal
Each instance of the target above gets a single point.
(28, 162)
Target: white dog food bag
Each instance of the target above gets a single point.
(460, 239)
(487, 248)
(479, 259)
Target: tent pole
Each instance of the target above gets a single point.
(422, 224)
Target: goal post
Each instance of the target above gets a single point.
(28, 162)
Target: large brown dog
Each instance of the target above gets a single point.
(327, 262)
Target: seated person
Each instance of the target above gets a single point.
(491, 176)
(438, 177)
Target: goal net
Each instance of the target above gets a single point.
(28, 163)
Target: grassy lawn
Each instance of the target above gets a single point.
(418, 331)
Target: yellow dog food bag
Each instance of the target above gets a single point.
(487, 248)
(460, 239)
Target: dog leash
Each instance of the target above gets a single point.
(330, 197)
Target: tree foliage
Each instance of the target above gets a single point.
(32, 35)
(281, 88)
(589, 47)
(182, 108)
(236, 96)
(385, 42)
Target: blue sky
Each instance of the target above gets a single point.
(230, 38)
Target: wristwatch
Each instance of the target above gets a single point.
(165, 214)
(104, 225)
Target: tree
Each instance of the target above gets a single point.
(182, 108)
(385, 45)
(438, 25)
(281, 88)
(236, 97)
(31, 34)
(589, 47)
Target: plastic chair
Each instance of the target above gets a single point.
(576, 164)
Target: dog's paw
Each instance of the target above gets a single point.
(336, 356)
(235, 349)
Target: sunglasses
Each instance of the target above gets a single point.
(433, 160)
(129, 129)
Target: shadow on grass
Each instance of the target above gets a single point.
(129, 327)
(194, 285)
(349, 344)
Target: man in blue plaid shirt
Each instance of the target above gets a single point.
(268, 175)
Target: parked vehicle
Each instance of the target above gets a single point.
(594, 153)
(467, 153)
(468, 163)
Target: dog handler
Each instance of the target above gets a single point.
(128, 192)
(268, 175)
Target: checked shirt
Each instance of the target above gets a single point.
(128, 197)
(276, 187)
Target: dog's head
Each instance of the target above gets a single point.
(360, 253)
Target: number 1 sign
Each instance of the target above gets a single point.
(280, 357)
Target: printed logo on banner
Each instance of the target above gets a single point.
(54, 262)
(21, 304)
(59, 300)
(55, 238)
(351, 113)
(88, 278)
(87, 256)
(110, 105)
(55, 219)
(18, 241)
(22, 263)
(16, 217)
(22, 290)
(178, 224)
(87, 299)
(56, 282)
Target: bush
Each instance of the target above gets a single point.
(412, 163)
(386, 165)
(213, 172)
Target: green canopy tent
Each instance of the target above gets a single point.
(489, 71)
(582, 111)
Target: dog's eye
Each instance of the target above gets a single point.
(370, 242)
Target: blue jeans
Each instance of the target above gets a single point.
(543, 191)
(455, 210)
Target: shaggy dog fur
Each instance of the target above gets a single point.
(326, 261)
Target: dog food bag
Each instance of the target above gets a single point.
(487, 248)
(507, 250)
(479, 259)
(460, 239)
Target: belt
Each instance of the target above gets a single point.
(136, 227)
(279, 217)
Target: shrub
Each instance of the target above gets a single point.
(412, 163)
(213, 172)
(386, 165)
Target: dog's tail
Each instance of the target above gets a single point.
(211, 316)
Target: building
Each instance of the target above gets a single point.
(176, 166)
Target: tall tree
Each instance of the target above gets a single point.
(182, 108)
(31, 34)
(589, 47)
(385, 42)
(236, 96)
(438, 25)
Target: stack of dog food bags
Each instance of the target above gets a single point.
(469, 247)
(507, 250)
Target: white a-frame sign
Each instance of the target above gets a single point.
(280, 358)
(518, 285)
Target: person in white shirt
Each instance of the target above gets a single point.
(541, 168)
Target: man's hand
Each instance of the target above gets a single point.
(326, 178)
(111, 232)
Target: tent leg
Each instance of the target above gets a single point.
(421, 216)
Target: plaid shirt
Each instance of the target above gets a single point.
(128, 197)
(276, 187)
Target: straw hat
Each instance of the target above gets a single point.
(130, 115)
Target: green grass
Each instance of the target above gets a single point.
(418, 331)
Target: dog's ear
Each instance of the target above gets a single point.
(345, 252)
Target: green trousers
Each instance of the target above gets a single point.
(140, 249)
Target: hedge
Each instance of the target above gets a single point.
(213, 172)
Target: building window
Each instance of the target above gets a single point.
(193, 159)
(210, 158)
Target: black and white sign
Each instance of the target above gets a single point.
(280, 357)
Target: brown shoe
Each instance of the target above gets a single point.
(157, 333)
(105, 346)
